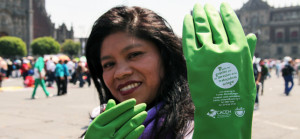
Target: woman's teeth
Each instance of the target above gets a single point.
(130, 86)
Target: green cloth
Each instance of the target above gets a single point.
(40, 82)
(118, 121)
(220, 73)
(39, 64)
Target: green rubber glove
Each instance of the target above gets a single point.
(220, 73)
(118, 121)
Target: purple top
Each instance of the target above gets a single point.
(149, 123)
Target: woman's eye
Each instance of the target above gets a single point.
(108, 65)
(134, 54)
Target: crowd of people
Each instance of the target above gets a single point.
(288, 69)
(76, 70)
(59, 71)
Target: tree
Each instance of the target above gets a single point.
(45, 45)
(70, 47)
(12, 46)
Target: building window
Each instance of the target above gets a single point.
(294, 36)
(279, 36)
(279, 50)
(294, 50)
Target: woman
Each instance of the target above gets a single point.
(154, 59)
(133, 53)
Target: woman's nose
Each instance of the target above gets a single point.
(122, 71)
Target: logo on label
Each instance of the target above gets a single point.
(219, 113)
(212, 113)
(225, 75)
(239, 112)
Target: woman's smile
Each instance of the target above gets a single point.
(128, 87)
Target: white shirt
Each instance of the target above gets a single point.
(48, 64)
(71, 65)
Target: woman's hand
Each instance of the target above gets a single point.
(220, 72)
(118, 121)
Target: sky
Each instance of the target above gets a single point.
(81, 14)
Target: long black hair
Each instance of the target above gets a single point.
(142, 23)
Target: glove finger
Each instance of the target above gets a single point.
(136, 133)
(130, 125)
(232, 25)
(118, 122)
(114, 112)
(218, 32)
(189, 40)
(203, 31)
(107, 116)
(111, 103)
(251, 39)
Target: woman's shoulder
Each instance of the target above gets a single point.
(190, 130)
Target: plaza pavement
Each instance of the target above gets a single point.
(66, 117)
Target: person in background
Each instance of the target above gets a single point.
(66, 77)
(39, 75)
(2, 70)
(287, 73)
(51, 72)
(59, 74)
(298, 72)
(71, 66)
(278, 68)
(88, 75)
(264, 74)
(257, 77)
(80, 71)
(25, 68)
(9, 68)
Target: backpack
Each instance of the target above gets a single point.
(264, 72)
(286, 70)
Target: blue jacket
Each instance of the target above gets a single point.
(66, 71)
(59, 70)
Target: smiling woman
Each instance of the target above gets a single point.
(138, 66)
(133, 53)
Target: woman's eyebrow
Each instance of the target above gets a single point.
(131, 46)
(105, 58)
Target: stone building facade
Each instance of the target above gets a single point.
(277, 29)
(28, 20)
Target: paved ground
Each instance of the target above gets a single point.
(278, 116)
(59, 117)
(66, 117)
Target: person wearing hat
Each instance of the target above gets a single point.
(39, 75)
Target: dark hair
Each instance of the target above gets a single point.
(178, 108)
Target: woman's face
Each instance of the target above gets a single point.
(132, 67)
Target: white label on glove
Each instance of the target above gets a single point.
(225, 75)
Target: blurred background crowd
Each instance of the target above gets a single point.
(24, 68)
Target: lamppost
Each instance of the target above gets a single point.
(30, 27)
